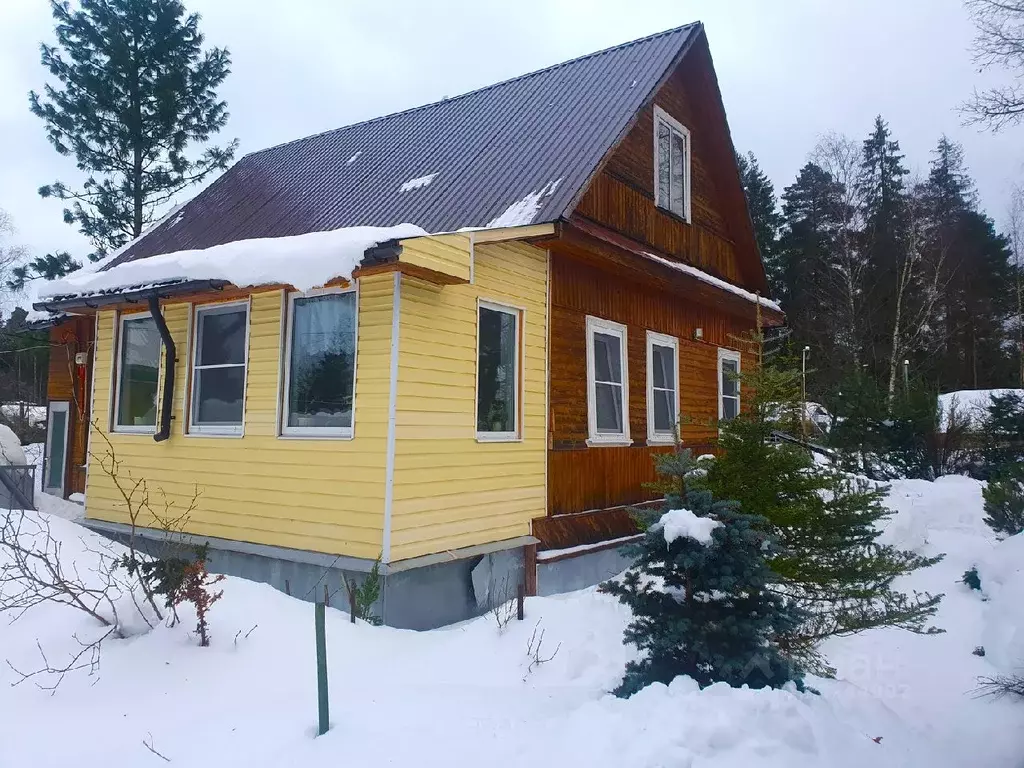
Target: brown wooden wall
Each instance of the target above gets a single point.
(67, 381)
(621, 197)
(585, 478)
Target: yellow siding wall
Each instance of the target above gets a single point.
(319, 495)
(451, 491)
(445, 254)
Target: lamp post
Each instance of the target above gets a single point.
(906, 376)
(803, 388)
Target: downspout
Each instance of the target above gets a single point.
(170, 356)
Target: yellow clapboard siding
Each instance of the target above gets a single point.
(445, 254)
(319, 495)
(450, 489)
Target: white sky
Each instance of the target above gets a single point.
(789, 70)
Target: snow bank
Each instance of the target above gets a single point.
(303, 261)
(679, 523)
(11, 451)
(971, 405)
(712, 280)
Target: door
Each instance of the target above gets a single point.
(56, 448)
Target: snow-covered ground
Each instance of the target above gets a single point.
(465, 696)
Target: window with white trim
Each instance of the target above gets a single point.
(607, 382)
(218, 368)
(662, 387)
(498, 373)
(320, 364)
(138, 374)
(728, 384)
(671, 164)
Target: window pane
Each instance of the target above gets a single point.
(664, 163)
(217, 400)
(607, 358)
(678, 165)
(55, 468)
(664, 411)
(496, 371)
(322, 365)
(730, 407)
(221, 336)
(730, 384)
(663, 366)
(139, 374)
(609, 408)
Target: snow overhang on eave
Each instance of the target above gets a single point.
(128, 295)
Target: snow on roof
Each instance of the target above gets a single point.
(718, 283)
(970, 405)
(523, 212)
(303, 261)
(421, 181)
(679, 523)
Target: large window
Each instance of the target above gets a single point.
(607, 382)
(320, 380)
(497, 372)
(728, 384)
(138, 374)
(218, 369)
(671, 164)
(662, 389)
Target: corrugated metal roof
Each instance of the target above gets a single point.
(517, 152)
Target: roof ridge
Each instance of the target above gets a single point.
(475, 91)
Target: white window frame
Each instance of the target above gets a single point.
(661, 116)
(598, 325)
(661, 340)
(520, 314)
(727, 354)
(129, 429)
(331, 433)
(198, 430)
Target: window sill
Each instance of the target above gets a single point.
(337, 436)
(658, 440)
(674, 215)
(498, 437)
(142, 431)
(215, 434)
(599, 442)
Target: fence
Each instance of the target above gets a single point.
(17, 486)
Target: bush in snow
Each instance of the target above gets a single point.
(972, 579)
(831, 562)
(1004, 500)
(195, 588)
(361, 597)
(1004, 432)
(699, 597)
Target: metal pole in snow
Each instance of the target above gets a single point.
(321, 670)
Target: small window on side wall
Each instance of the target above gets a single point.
(498, 373)
(662, 388)
(320, 376)
(728, 384)
(607, 382)
(218, 370)
(138, 375)
(671, 164)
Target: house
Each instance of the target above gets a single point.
(451, 337)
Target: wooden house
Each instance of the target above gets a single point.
(479, 397)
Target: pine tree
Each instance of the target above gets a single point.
(49, 266)
(700, 596)
(1004, 500)
(764, 215)
(831, 563)
(136, 92)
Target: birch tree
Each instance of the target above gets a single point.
(998, 45)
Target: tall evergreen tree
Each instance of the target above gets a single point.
(764, 215)
(135, 92)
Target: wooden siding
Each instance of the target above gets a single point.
(68, 382)
(323, 495)
(584, 478)
(718, 238)
(451, 490)
(447, 256)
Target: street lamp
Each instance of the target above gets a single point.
(906, 376)
(803, 387)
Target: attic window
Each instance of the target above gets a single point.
(671, 164)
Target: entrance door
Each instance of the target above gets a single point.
(56, 448)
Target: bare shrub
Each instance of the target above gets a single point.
(503, 603)
(535, 651)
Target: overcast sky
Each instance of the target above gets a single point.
(789, 70)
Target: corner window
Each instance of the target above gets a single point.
(218, 369)
(671, 164)
(138, 374)
(320, 375)
(498, 373)
(662, 387)
(728, 384)
(607, 382)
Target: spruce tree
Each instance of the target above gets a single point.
(1004, 500)
(700, 596)
(764, 215)
(134, 92)
(831, 563)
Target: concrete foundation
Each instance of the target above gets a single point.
(565, 573)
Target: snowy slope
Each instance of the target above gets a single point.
(463, 696)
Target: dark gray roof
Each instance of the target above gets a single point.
(542, 134)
